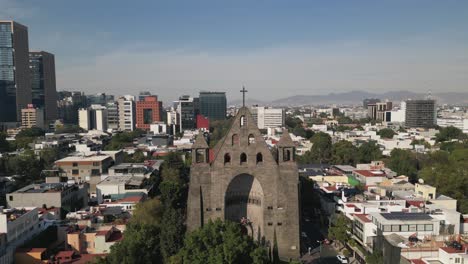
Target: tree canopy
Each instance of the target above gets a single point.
(403, 162)
(450, 133)
(386, 133)
(369, 151)
(344, 152)
(221, 242)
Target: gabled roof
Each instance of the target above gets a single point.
(285, 140)
(200, 141)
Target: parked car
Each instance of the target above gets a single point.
(342, 259)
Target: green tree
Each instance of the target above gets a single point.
(322, 147)
(69, 129)
(48, 156)
(344, 152)
(375, 258)
(4, 144)
(369, 151)
(403, 162)
(26, 166)
(421, 142)
(450, 133)
(386, 133)
(31, 132)
(218, 130)
(220, 242)
(172, 232)
(123, 139)
(339, 229)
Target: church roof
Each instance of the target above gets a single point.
(285, 140)
(200, 141)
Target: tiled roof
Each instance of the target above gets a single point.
(363, 218)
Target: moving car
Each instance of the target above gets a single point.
(342, 259)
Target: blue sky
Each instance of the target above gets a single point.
(275, 48)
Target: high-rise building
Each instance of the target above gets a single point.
(112, 115)
(377, 111)
(213, 105)
(100, 99)
(94, 117)
(148, 111)
(420, 113)
(268, 117)
(126, 106)
(15, 82)
(32, 117)
(187, 110)
(68, 105)
(43, 86)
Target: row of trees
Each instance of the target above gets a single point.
(342, 152)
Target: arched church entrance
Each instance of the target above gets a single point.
(244, 204)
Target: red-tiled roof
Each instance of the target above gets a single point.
(415, 203)
(350, 205)
(65, 254)
(363, 218)
(417, 261)
(115, 236)
(452, 250)
(370, 173)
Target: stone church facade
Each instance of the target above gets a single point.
(244, 180)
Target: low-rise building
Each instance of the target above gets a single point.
(405, 224)
(370, 177)
(118, 186)
(60, 195)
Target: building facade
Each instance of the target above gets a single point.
(187, 109)
(15, 82)
(268, 117)
(32, 117)
(43, 86)
(94, 117)
(420, 114)
(112, 115)
(126, 108)
(244, 182)
(213, 105)
(148, 110)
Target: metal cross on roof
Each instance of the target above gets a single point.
(243, 91)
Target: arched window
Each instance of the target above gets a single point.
(227, 158)
(235, 139)
(251, 139)
(259, 157)
(243, 158)
(243, 121)
(200, 155)
(286, 155)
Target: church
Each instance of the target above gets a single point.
(245, 183)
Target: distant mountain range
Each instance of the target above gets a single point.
(356, 97)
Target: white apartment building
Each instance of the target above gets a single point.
(268, 117)
(94, 117)
(405, 224)
(126, 109)
(455, 121)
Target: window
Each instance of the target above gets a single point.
(147, 116)
(243, 158)
(200, 155)
(395, 228)
(75, 172)
(95, 173)
(242, 121)
(235, 139)
(95, 163)
(259, 158)
(227, 158)
(75, 164)
(404, 228)
(251, 139)
(286, 155)
(429, 228)
(279, 223)
(457, 260)
(420, 227)
(412, 228)
(11, 197)
(387, 228)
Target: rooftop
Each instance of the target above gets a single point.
(126, 179)
(84, 158)
(406, 216)
(371, 173)
(45, 188)
(363, 217)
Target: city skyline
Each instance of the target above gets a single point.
(274, 49)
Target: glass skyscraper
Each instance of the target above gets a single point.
(213, 105)
(44, 92)
(15, 85)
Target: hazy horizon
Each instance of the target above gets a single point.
(275, 49)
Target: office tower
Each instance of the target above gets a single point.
(43, 86)
(267, 117)
(377, 111)
(32, 117)
(15, 84)
(126, 107)
(420, 113)
(368, 101)
(93, 117)
(112, 115)
(213, 105)
(148, 111)
(142, 95)
(187, 110)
